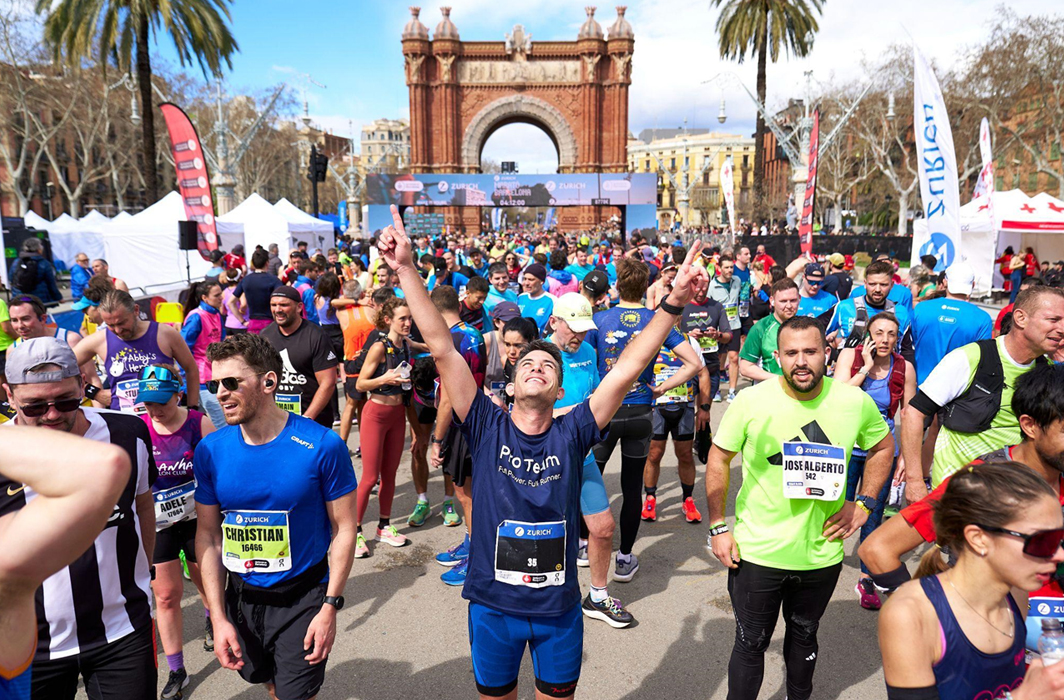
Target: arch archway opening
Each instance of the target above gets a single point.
(528, 144)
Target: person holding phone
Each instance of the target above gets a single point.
(385, 377)
(877, 368)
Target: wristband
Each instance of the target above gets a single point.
(718, 529)
(863, 507)
(670, 309)
(91, 391)
(890, 580)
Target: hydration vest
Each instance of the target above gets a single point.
(860, 321)
(896, 381)
(974, 410)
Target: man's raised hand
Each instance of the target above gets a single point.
(394, 245)
(690, 280)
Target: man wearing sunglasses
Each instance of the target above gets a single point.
(1038, 401)
(814, 300)
(275, 501)
(96, 616)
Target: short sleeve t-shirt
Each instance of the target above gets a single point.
(273, 497)
(581, 375)
(494, 297)
(899, 294)
(666, 365)
(703, 317)
(526, 490)
(817, 305)
(951, 378)
(616, 328)
(761, 343)
(772, 529)
(538, 309)
(257, 287)
(943, 325)
(303, 353)
(6, 340)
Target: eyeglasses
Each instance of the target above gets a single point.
(813, 283)
(1042, 544)
(36, 410)
(160, 373)
(230, 383)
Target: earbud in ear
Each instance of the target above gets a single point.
(269, 383)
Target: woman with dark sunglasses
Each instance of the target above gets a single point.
(175, 432)
(959, 633)
(383, 428)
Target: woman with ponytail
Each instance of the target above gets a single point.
(958, 633)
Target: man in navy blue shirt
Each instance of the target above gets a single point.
(522, 583)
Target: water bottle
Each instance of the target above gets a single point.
(1051, 643)
(404, 372)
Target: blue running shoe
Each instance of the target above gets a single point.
(455, 555)
(456, 576)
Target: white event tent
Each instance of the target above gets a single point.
(263, 225)
(144, 249)
(304, 227)
(1018, 221)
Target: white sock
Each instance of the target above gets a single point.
(423, 497)
(598, 594)
(626, 558)
(581, 542)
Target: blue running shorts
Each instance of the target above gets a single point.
(593, 498)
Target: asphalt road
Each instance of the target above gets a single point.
(403, 634)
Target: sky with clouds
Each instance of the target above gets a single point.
(352, 48)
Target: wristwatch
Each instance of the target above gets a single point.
(705, 406)
(337, 601)
(866, 503)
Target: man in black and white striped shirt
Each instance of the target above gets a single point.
(94, 618)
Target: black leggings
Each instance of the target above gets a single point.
(632, 426)
(757, 592)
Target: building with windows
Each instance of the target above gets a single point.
(701, 156)
(386, 146)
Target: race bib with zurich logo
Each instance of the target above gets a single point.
(813, 471)
(530, 554)
(256, 541)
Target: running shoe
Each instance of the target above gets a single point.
(208, 635)
(455, 555)
(355, 453)
(361, 549)
(389, 535)
(609, 611)
(581, 556)
(625, 571)
(717, 398)
(690, 511)
(731, 396)
(175, 685)
(420, 514)
(451, 518)
(456, 576)
(650, 509)
(868, 594)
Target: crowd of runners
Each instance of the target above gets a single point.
(242, 449)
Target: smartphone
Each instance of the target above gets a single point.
(869, 343)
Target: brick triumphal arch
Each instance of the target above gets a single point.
(462, 91)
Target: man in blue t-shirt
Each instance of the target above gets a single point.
(580, 267)
(571, 322)
(522, 583)
(942, 325)
(275, 501)
(632, 426)
(535, 303)
(849, 322)
(499, 279)
(814, 301)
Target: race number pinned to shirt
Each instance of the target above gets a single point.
(127, 396)
(530, 554)
(256, 541)
(731, 311)
(813, 471)
(708, 344)
(293, 403)
(174, 505)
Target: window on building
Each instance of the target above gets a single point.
(686, 162)
(746, 161)
(648, 165)
(705, 179)
(672, 163)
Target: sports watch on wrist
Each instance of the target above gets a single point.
(705, 406)
(337, 601)
(866, 502)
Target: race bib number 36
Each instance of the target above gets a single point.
(813, 471)
(256, 541)
(530, 554)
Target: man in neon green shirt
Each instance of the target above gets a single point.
(757, 359)
(796, 433)
(7, 339)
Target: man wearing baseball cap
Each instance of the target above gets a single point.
(596, 289)
(814, 300)
(838, 281)
(944, 324)
(96, 616)
(571, 321)
(535, 303)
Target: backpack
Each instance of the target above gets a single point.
(974, 410)
(26, 275)
(896, 382)
(860, 321)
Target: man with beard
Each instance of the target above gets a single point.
(757, 359)
(308, 381)
(791, 514)
(1039, 404)
(849, 323)
(725, 287)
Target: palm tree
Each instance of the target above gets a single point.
(763, 27)
(120, 31)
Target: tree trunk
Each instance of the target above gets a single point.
(759, 133)
(903, 214)
(147, 112)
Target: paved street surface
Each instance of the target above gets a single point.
(402, 633)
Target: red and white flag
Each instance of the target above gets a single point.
(192, 179)
(805, 224)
